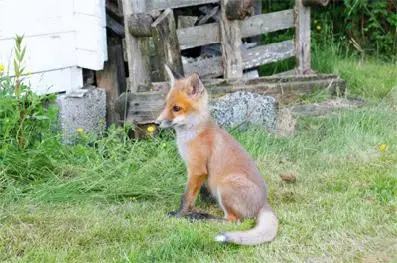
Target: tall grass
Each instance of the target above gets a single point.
(105, 199)
(108, 202)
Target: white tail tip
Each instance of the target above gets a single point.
(220, 238)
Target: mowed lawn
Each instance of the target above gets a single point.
(108, 202)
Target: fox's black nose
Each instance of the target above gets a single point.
(163, 123)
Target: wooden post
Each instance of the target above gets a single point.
(302, 37)
(112, 79)
(137, 48)
(231, 44)
(166, 42)
(139, 25)
(238, 9)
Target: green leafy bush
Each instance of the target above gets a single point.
(359, 27)
(25, 118)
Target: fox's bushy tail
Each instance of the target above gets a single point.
(264, 231)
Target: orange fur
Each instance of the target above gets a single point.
(212, 155)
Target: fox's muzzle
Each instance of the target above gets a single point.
(164, 123)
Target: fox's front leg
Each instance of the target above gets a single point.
(194, 183)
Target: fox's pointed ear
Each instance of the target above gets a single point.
(196, 87)
(172, 75)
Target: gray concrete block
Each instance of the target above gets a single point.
(241, 109)
(82, 111)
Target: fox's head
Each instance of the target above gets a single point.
(186, 103)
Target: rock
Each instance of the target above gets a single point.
(83, 111)
(242, 108)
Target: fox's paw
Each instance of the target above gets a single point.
(174, 214)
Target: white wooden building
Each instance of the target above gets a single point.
(61, 38)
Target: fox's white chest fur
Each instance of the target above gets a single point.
(183, 137)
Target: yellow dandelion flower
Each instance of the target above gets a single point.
(151, 129)
(2, 68)
(80, 130)
(382, 147)
(318, 27)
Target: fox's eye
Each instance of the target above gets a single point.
(176, 108)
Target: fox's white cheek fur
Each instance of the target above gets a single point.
(179, 120)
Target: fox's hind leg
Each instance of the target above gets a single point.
(205, 195)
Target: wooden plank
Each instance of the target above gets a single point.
(41, 17)
(265, 23)
(90, 41)
(145, 107)
(315, 2)
(111, 79)
(44, 53)
(142, 106)
(302, 37)
(281, 87)
(255, 25)
(230, 42)
(206, 68)
(163, 4)
(137, 48)
(116, 27)
(253, 57)
(198, 36)
(54, 81)
(166, 43)
(291, 72)
(265, 54)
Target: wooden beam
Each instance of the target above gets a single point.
(266, 23)
(230, 37)
(253, 57)
(139, 25)
(265, 54)
(207, 68)
(302, 37)
(166, 43)
(198, 36)
(142, 107)
(137, 48)
(163, 4)
(313, 3)
(112, 80)
(115, 26)
(114, 9)
(252, 26)
(285, 89)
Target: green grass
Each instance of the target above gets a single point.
(105, 200)
(108, 204)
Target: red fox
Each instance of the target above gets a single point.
(214, 157)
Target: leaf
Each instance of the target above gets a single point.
(16, 68)
(23, 53)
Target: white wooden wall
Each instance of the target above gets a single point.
(61, 38)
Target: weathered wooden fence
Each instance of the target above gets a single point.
(143, 106)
